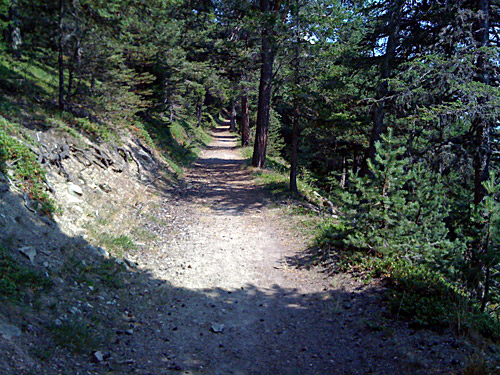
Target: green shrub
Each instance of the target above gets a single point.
(117, 244)
(421, 295)
(94, 129)
(394, 227)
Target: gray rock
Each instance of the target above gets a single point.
(145, 156)
(8, 331)
(71, 199)
(129, 263)
(47, 221)
(29, 253)
(77, 210)
(217, 328)
(75, 310)
(74, 188)
(121, 262)
(98, 356)
(327, 203)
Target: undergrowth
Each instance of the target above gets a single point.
(416, 292)
(27, 101)
(21, 164)
(275, 176)
(16, 280)
(76, 335)
(179, 141)
(103, 273)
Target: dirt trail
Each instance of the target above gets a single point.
(223, 300)
(216, 290)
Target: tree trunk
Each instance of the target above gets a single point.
(245, 121)
(295, 123)
(482, 150)
(265, 87)
(232, 122)
(61, 56)
(482, 158)
(378, 113)
(482, 128)
(75, 63)
(295, 150)
(14, 30)
(343, 177)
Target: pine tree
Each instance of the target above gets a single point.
(399, 211)
(484, 275)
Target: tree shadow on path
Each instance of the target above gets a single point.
(142, 324)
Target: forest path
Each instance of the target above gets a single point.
(229, 303)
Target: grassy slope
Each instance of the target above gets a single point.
(27, 101)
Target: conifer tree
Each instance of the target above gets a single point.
(398, 211)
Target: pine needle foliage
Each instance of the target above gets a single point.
(398, 210)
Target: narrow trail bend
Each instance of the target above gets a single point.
(224, 301)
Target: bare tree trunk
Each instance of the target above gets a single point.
(295, 150)
(75, 63)
(245, 121)
(14, 30)
(296, 117)
(482, 128)
(61, 56)
(265, 86)
(232, 122)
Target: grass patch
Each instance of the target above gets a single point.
(144, 234)
(180, 141)
(275, 177)
(16, 280)
(94, 129)
(117, 245)
(26, 77)
(18, 161)
(75, 335)
(109, 273)
(105, 272)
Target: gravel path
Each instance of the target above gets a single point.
(223, 300)
(216, 291)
